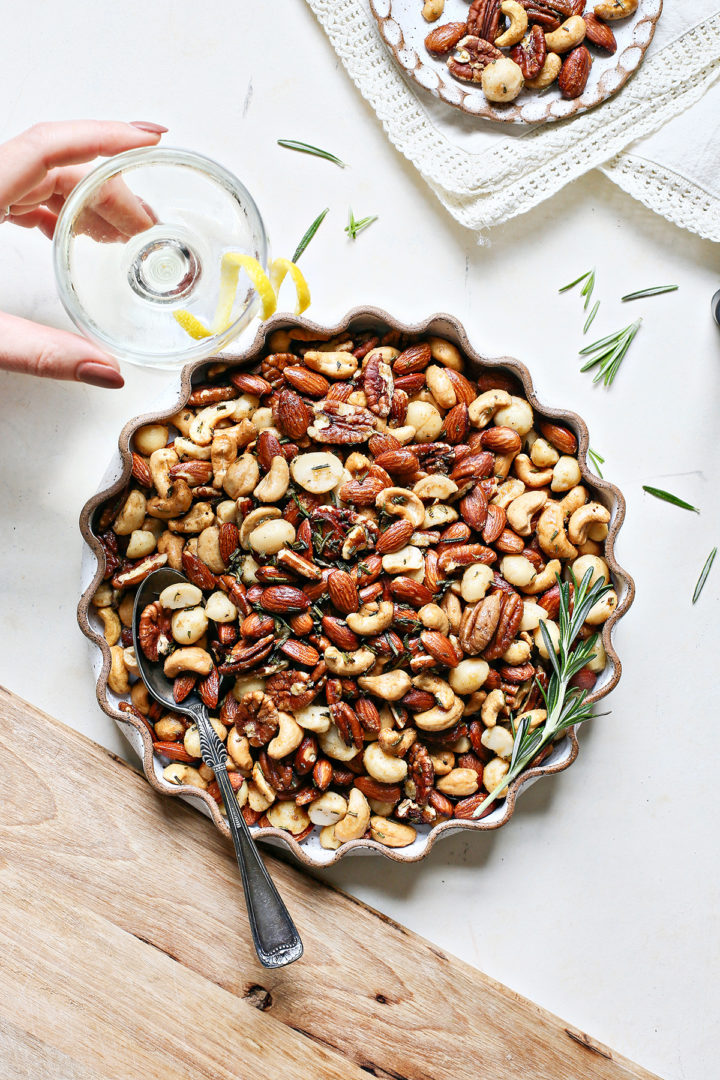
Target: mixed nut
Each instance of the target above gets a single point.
(545, 41)
(371, 539)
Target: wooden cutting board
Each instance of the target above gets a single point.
(125, 952)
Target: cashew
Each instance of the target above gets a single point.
(554, 631)
(484, 407)
(192, 659)
(356, 820)
(186, 448)
(567, 36)
(241, 477)
(200, 517)
(434, 618)
(317, 472)
(141, 544)
(103, 595)
(521, 511)
(208, 550)
(176, 773)
(517, 570)
(542, 454)
(530, 476)
(149, 438)
(432, 10)
(182, 595)
(118, 676)
(273, 486)
(202, 426)
(574, 499)
(551, 533)
(391, 833)
(404, 561)
(168, 728)
(111, 625)
(288, 738)
(386, 768)
(254, 519)
(583, 518)
(191, 740)
(439, 514)
(391, 685)
(314, 718)
(161, 461)
(535, 718)
(132, 514)
(603, 609)
(446, 353)
(182, 420)
(226, 511)
(458, 782)
(437, 719)
(260, 793)
(469, 675)
(328, 840)
(443, 762)
(492, 707)
(517, 652)
(404, 434)
(371, 618)
(518, 24)
(286, 815)
(247, 567)
(499, 740)
(174, 506)
(426, 420)
(440, 386)
(399, 502)
(599, 660)
(328, 809)
(440, 690)
(548, 73)
(611, 10)
(262, 420)
(435, 486)
(220, 608)
(518, 415)
(507, 493)
(238, 748)
(566, 474)
(333, 365)
(545, 579)
(171, 545)
(591, 562)
(348, 663)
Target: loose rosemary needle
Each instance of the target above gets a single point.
(609, 353)
(306, 148)
(657, 290)
(667, 496)
(354, 226)
(704, 575)
(591, 317)
(309, 235)
(587, 290)
(596, 461)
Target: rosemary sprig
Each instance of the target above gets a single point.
(309, 234)
(596, 461)
(609, 353)
(354, 226)
(306, 148)
(704, 575)
(566, 705)
(666, 496)
(658, 290)
(591, 317)
(577, 281)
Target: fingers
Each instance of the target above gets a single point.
(32, 349)
(26, 159)
(41, 218)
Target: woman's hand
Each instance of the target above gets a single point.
(38, 170)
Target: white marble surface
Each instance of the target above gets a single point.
(599, 900)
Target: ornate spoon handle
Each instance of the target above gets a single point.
(275, 936)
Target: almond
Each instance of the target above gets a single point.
(394, 537)
(414, 359)
(343, 591)
(374, 789)
(411, 384)
(465, 392)
(410, 592)
(340, 633)
(305, 381)
(560, 437)
(501, 440)
(418, 700)
(599, 33)
(257, 626)
(379, 444)
(141, 470)
(322, 774)
(300, 652)
(228, 540)
(460, 555)
(575, 73)
(509, 543)
(495, 523)
(474, 508)
(197, 572)
(247, 383)
(267, 447)
(456, 424)
(518, 674)
(209, 687)
(284, 599)
(476, 466)
(301, 624)
(293, 416)
(398, 462)
(443, 38)
(193, 472)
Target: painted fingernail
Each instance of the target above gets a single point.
(147, 125)
(96, 374)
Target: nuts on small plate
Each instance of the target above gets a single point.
(369, 564)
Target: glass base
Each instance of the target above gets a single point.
(164, 270)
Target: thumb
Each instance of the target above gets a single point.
(54, 354)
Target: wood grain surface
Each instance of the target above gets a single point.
(125, 952)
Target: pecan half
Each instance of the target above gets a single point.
(530, 56)
(257, 718)
(471, 58)
(483, 19)
(421, 774)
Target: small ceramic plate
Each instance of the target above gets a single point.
(404, 30)
(310, 851)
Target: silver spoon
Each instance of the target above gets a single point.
(275, 936)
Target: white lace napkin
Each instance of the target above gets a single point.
(658, 138)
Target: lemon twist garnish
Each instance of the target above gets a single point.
(266, 287)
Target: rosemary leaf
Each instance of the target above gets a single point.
(609, 353)
(587, 290)
(666, 496)
(309, 234)
(704, 575)
(658, 290)
(576, 281)
(591, 317)
(354, 226)
(596, 461)
(306, 148)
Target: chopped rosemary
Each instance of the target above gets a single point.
(354, 226)
(309, 234)
(658, 290)
(565, 705)
(306, 148)
(666, 496)
(596, 461)
(591, 317)
(609, 353)
(704, 575)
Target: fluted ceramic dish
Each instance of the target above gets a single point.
(309, 850)
(404, 30)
